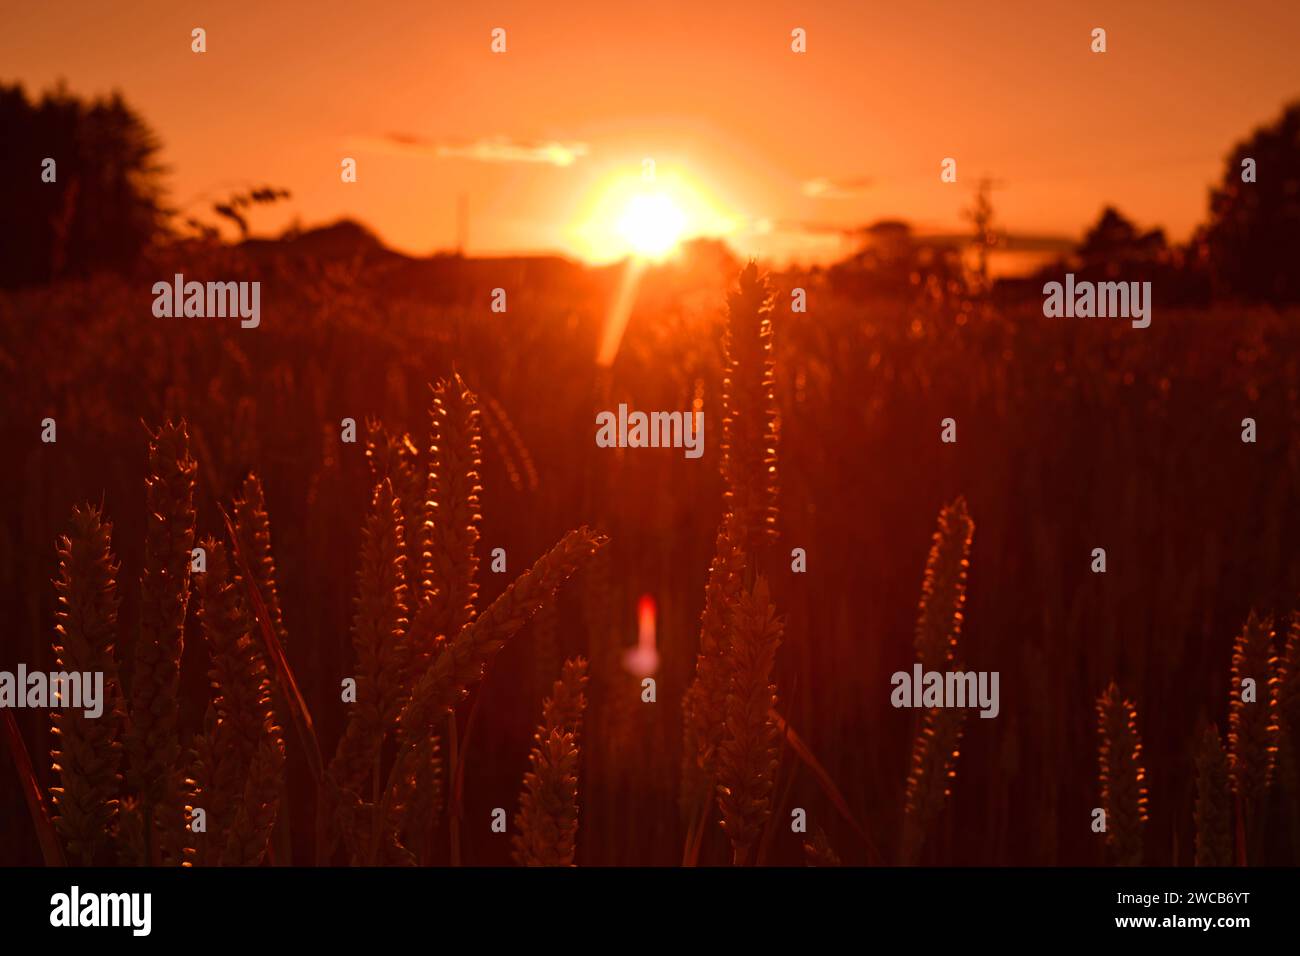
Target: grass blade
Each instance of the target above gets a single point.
(49, 840)
(827, 784)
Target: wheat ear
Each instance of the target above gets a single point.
(568, 701)
(1213, 802)
(1286, 693)
(547, 823)
(748, 464)
(253, 526)
(152, 739)
(750, 747)
(452, 515)
(88, 753)
(419, 803)
(1252, 724)
(379, 639)
(249, 835)
(938, 628)
(1122, 776)
(397, 459)
(943, 590)
(704, 704)
(217, 779)
(750, 422)
(241, 753)
(450, 535)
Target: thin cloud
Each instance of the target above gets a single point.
(497, 149)
(823, 188)
(796, 227)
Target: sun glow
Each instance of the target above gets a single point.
(647, 218)
(652, 224)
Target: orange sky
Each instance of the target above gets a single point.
(710, 90)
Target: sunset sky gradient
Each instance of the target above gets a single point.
(793, 148)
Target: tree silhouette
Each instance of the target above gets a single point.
(103, 206)
(1251, 243)
(1114, 245)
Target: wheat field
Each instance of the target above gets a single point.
(355, 675)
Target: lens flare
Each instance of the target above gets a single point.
(643, 660)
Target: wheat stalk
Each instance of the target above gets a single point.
(88, 753)
(463, 660)
(379, 639)
(938, 628)
(547, 822)
(749, 750)
(253, 527)
(1286, 684)
(750, 420)
(419, 803)
(398, 460)
(546, 644)
(548, 811)
(152, 739)
(943, 590)
(1286, 694)
(1213, 802)
(568, 700)
(238, 674)
(704, 705)
(451, 528)
(249, 834)
(285, 682)
(748, 465)
(1122, 776)
(216, 782)
(523, 477)
(451, 518)
(932, 771)
(1252, 725)
(241, 753)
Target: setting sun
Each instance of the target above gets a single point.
(652, 224)
(647, 217)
